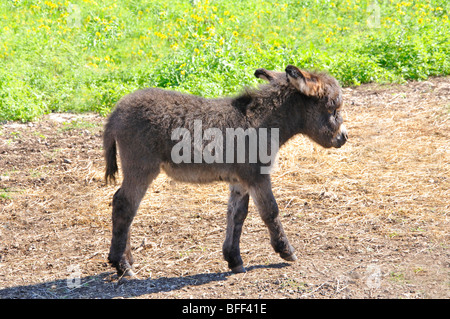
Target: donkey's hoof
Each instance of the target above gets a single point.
(126, 274)
(291, 257)
(238, 269)
(129, 273)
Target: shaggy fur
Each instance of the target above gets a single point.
(142, 124)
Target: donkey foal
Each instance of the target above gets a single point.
(143, 127)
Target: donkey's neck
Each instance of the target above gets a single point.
(277, 108)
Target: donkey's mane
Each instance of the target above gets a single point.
(251, 97)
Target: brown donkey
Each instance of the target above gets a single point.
(153, 129)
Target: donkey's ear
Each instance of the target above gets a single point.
(304, 81)
(264, 74)
(270, 76)
(294, 72)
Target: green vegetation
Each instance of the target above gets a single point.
(83, 55)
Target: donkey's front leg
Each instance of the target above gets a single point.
(268, 209)
(237, 212)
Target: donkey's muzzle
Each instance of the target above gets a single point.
(341, 137)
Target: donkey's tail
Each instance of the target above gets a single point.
(110, 153)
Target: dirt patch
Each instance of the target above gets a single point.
(369, 220)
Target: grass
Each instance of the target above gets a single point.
(83, 56)
(78, 124)
(5, 194)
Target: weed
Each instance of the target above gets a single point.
(78, 124)
(5, 193)
(398, 277)
(419, 271)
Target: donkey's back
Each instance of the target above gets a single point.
(165, 110)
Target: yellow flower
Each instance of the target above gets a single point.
(160, 35)
(43, 26)
(51, 4)
(235, 33)
(211, 30)
(183, 72)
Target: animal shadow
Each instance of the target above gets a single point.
(107, 286)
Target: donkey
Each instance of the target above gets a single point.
(143, 123)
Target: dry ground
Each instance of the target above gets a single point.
(369, 220)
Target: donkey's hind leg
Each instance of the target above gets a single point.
(237, 212)
(125, 204)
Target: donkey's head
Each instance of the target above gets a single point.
(323, 105)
